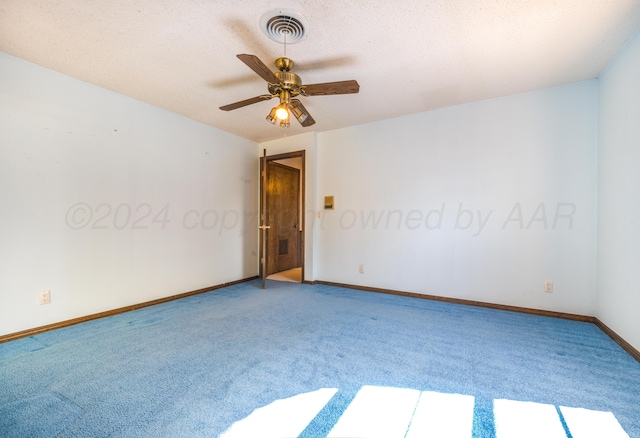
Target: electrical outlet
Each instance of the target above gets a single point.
(44, 297)
(548, 286)
(362, 269)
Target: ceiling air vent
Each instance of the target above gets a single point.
(284, 26)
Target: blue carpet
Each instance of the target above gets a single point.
(225, 360)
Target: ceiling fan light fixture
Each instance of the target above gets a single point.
(281, 112)
(299, 114)
(271, 118)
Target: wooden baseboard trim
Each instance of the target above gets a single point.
(635, 353)
(582, 318)
(74, 321)
(571, 316)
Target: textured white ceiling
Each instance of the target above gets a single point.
(408, 56)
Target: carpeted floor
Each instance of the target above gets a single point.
(314, 361)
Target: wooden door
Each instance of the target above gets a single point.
(283, 213)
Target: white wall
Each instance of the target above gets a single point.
(107, 201)
(302, 142)
(483, 201)
(619, 195)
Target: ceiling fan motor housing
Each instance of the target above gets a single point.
(289, 81)
(284, 64)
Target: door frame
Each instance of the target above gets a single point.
(302, 195)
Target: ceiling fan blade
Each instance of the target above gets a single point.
(342, 87)
(254, 63)
(299, 108)
(246, 102)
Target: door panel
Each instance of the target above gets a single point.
(283, 204)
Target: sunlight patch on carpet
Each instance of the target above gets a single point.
(377, 412)
(586, 423)
(518, 419)
(439, 415)
(282, 418)
(389, 412)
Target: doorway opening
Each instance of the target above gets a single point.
(282, 204)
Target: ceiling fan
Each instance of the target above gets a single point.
(287, 86)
